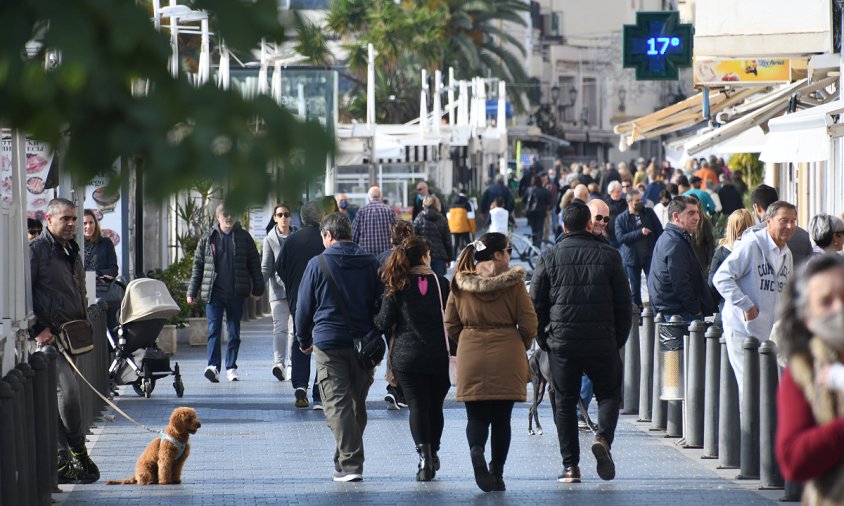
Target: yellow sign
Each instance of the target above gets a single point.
(715, 72)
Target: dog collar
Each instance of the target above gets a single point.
(175, 442)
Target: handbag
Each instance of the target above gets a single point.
(76, 337)
(111, 292)
(369, 349)
(452, 359)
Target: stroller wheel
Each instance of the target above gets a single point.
(180, 387)
(136, 386)
(148, 385)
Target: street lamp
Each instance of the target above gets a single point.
(622, 94)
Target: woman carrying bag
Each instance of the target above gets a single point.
(101, 257)
(491, 318)
(413, 302)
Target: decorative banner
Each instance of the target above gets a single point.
(107, 208)
(39, 156)
(717, 72)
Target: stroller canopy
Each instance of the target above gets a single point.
(147, 299)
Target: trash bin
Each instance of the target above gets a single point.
(671, 360)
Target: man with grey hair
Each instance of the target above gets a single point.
(827, 232)
(371, 228)
(327, 327)
(617, 204)
(637, 230)
(58, 296)
(296, 251)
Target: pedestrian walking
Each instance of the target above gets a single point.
(432, 225)
(499, 217)
(637, 230)
(810, 398)
(58, 297)
(226, 270)
(422, 191)
(490, 316)
(327, 324)
(371, 228)
(537, 203)
(278, 230)
(617, 204)
(413, 304)
(583, 321)
(460, 220)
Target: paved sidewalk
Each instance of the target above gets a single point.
(254, 447)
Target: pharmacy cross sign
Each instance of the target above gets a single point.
(657, 45)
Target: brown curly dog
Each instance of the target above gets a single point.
(164, 457)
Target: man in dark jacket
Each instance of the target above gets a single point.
(58, 296)
(610, 174)
(730, 198)
(496, 189)
(582, 301)
(226, 270)
(677, 283)
(637, 230)
(327, 331)
(296, 251)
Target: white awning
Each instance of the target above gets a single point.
(803, 136)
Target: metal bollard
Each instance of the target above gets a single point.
(793, 492)
(711, 397)
(631, 367)
(659, 408)
(646, 354)
(9, 465)
(695, 385)
(749, 413)
(53, 405)
(729, 433)
(768, 381)
(674, 413)
(41, 399)
(26, 377)
(15, 380)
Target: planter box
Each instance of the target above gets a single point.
(167, 339)
(198, 331)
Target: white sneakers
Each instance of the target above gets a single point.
(231, 375)
(212, 374)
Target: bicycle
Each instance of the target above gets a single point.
(524, 250)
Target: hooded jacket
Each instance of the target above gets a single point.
(432, 225)
(247, 264)
(676, 283)
(319, 320)
(746, 279)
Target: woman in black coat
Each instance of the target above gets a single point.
(100, 257)
(432, 225)
(413, 301)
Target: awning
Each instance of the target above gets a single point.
(749, 141)
(803, 136)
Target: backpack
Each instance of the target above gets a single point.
(531, 201)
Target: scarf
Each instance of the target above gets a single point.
(89, 255)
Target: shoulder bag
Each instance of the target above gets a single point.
(452, 359)
(370, 349)
(76, 337)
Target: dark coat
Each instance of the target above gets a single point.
(58, 283)
(582, 297)
(543, 200)
(247, 265)
(730, 199)
(420, 346)
(433, 226)
(105, 258)
(296, 251)
(616, 207)
(607, 177)
(677, 283)
(628, 234)
(491, 193)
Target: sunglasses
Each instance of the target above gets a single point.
(605, 219)
(509, 250)
(283, 214)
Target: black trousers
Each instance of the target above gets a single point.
(485, 414)
(537, 227)
(566, 373)
(425, 394)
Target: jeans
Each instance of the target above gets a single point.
(300, 367)
(566, 376)
(586, 389)
(634, 274)
(233, 308)
(483, 414)
(425, 394)
(344, 385)
(281, 331)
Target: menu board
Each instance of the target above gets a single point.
(39, 156)
(107, 207)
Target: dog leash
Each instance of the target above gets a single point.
(104, 398)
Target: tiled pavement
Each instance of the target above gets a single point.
(255, 448)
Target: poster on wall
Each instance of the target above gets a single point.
(39, 156)
(107, 208)
(720, 72)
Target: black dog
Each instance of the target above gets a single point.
(540, 373)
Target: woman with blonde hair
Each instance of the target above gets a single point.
(490, 316)
(739, 221)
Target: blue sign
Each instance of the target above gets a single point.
(657, 45)
(492, 109)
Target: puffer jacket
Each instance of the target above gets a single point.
(431, 225)
(459, 221)
(677, 283)
(493, 322)
(582, 297)
(247, 265)
(416, 312)
(58, 282)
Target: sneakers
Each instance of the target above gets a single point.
(392, 404)
(301, 398)
(400, 400)
(72, 474)
(231, 375)
(606, 467)
(582, 424)
(483, 479)
(212, 374)
(278, 372)
(570, 474)
(347, 477)
(85, 463)
(318, 406)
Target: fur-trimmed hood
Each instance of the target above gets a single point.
(475, 283)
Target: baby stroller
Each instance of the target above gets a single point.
(138, 361)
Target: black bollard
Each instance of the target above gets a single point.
(729, 431)
(674, 413)
(793, 492)
(768, 382)
(41, 399)
(8, 468)
(631, 367)
(710, 420)
(659, 408)
(52, 355)
(15, 380)
(695, 385)
(646, 354)
(27, 377)
(749, 413)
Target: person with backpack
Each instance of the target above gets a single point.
(537, 204)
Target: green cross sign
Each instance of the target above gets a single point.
(657, 45)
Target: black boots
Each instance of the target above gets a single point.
(426, 463)
(484, 480)
(497, 473)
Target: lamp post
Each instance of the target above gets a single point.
(555, 97)
(622, 95)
